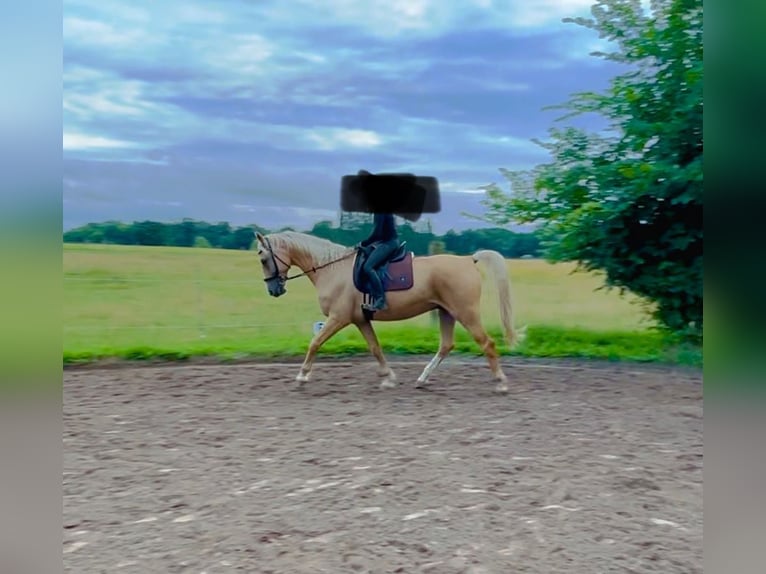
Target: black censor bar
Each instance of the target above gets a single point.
(403, 194)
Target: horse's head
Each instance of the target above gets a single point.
(275, 265)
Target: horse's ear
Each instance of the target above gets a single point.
(259, 238)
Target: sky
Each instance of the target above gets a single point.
(252, 111)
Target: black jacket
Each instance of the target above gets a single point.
(384, 230)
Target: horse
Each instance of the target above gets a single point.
(451, 284)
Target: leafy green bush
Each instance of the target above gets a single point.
(628, 200)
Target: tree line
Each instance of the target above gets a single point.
(222, 235)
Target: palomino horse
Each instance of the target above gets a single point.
(449, 283)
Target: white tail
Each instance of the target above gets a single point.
(496, 264)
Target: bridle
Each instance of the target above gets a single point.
(282, 277)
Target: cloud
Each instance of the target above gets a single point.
(75, 141)
(92, 93)
(332, 139)
(239, 54)
(542, 13)
(391, 20)
(101, 34)
(461, 187)
(202, 14)
(308, 214)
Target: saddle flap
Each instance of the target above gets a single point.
(399, 274)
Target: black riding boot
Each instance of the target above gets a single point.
(377, 293)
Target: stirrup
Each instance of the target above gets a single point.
(372, 307)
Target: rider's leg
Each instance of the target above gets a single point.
(376, 285)
(378, 256)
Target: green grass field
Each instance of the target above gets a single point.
(173, 303)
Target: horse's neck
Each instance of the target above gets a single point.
(304, 261)
(307, 260)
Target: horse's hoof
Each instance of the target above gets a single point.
(300, 379)
(501, 387)
(388, 384)
(420, 384)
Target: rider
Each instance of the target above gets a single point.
(385, 242)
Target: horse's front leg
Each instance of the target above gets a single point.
(389, 379)
(332, 326)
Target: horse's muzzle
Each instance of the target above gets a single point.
(276, 288)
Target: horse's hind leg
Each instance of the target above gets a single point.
(389, 379)
(447, 328)
(471, 320)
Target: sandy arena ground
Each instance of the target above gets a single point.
(582, 468)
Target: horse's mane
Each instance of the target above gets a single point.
(321, 250)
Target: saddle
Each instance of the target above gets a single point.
(395, 274)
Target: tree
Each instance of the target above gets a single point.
(627, 200)
(436, 247)
(242, 238)
(150, 233)
(182, 234)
